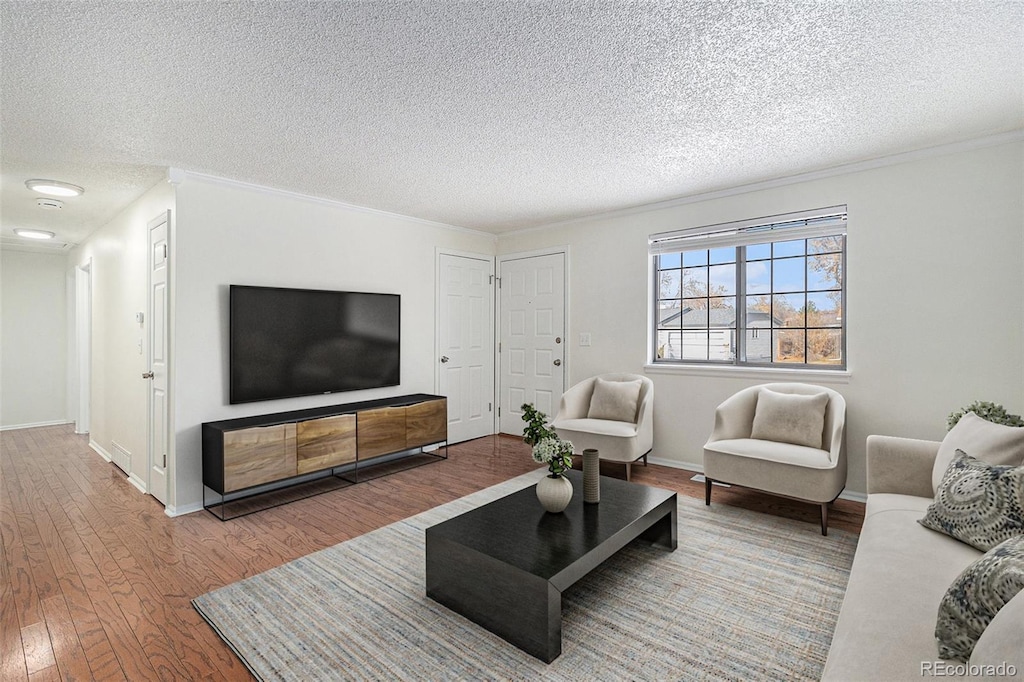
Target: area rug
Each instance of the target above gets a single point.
(745, 596)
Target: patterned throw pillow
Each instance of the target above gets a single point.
(976, 596)
(978, 503)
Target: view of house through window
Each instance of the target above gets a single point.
(773, 302)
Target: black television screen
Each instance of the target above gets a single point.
(286, 343)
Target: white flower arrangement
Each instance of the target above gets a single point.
(554, 452)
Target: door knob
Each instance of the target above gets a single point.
(444, 358)
(558, 362)
(147, 375)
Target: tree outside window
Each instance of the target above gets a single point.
(772, 303)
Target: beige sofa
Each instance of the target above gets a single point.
(886, 628)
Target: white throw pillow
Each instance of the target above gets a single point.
(981, 439)
(615, 400)
(790, 418)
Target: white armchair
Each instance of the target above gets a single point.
(791, 445)
(611, 414)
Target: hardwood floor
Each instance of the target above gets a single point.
(96, 582)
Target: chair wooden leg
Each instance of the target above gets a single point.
(629, 468)
(707, 491)
(645, 460)
(824, 518)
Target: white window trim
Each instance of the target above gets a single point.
(821, 222)
(819, 376)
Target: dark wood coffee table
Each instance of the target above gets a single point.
(505, 565)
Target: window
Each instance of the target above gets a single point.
(767, 292)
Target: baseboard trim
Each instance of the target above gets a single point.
(137, 482)
(676, 464)
(173, 511)
(852, 495)
(33, 425)
(100, 451)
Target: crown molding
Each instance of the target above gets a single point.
(844, 169)
(177, 176)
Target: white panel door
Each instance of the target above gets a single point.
(158, 340)
(466, 344)
(532, 350)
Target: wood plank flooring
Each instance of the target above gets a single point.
(96, 582)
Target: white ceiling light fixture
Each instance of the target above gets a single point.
(34, 234)
(54, 188)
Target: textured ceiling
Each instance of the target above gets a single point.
(489, 115)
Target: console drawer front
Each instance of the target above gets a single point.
(426, 423)
(258, 455)
(325, 443)
(381, 431)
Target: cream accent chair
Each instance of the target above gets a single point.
(615, 441)
(814, 474)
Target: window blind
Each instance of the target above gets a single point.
(822, 222)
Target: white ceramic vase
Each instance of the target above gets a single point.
(554, 493)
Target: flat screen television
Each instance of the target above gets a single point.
(286, 343)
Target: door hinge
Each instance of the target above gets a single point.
(489, 408)
(165, 460)
(499, 346)
(499, 411)
(165, 251)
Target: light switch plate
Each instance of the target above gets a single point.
(585, 338)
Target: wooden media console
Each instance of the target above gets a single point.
(247, 457)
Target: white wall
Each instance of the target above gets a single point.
(227, 233)
(119, 396)
(33, 339)
(935, 305)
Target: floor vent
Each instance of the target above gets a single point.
(120, 456)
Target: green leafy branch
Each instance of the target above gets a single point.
(536, 425)
(992, 412)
